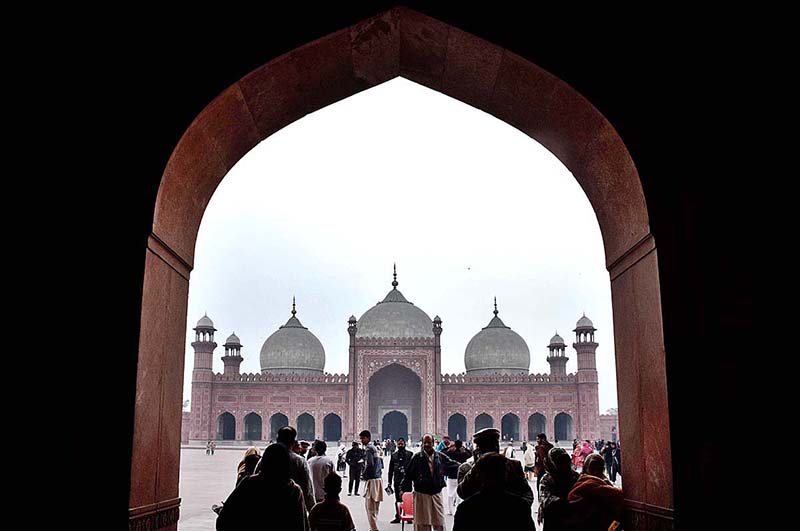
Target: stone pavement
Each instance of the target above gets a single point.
(206, 480)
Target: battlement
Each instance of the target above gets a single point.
(395, 342)
(497, 378)
(325, 378)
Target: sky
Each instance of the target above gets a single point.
(468, 207)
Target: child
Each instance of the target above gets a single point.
(331, 514)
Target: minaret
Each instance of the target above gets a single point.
(352, 328)
(202, 381)
(233, 355)
(204, 346)
(557, 357)
(588, 394)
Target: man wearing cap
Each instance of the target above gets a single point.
(487, 441)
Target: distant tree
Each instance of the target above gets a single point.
(612, 411)
(186, 405)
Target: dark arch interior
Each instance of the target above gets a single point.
(563, 423)
(332, 427)
(393, 425)
(252, 427)
(483, 421)
(457, 427)
(305, 427)
(509, 427)
(276, 422)
(536, 425)
(395, 388)
(226, 427)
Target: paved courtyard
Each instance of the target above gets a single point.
(206, 480)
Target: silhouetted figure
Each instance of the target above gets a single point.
(331, 514)
(558, 480)
(354, 458)
(493, 507)
(266, 500)
(298, 467)
(543, 446)
(247, 466)
(594, 502)
(398, 464)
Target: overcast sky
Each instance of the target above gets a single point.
(467, 206)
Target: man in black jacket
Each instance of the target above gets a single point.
(355, 458)
(397, 472)
(427, 471)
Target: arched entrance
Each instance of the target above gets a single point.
(276, 422)
(332, 427)
(252, 427)
(483, 421)
(563, 426)
(396, 388)
(393, 425)
(484, 75)
(226, 427)
(457, 427)
(509, 427)
(305, 427)
(536, 424)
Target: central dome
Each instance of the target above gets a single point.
(292, 349)
(395, 317)
(497, 349)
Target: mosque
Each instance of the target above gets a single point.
(394, 386)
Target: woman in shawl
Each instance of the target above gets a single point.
(247, 466)
(594, 501)
(556, 483)
(266, 500)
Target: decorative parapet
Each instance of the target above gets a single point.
(395, 341)
(325, 378)
(497, 378)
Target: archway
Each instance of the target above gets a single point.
(509, 427)
(252, 427)
(226, 427)
(488, 77)
(276, 422)
(483, 421)
(563, 427)
(393, 425)
(457, 427)
(536, 424)
(305, 427)
(332, 427)
(396, 388)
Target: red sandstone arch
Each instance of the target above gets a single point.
(404, 43)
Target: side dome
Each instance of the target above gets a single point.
(395, 317)
(557, 341)
(497, 349)
(205, 322)
(584, 323)
(292, 349)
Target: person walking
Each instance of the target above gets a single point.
(213, 447)
(398, 464)
(355, 459)
(459, 454)
(529, 462)
(543, 446)
(426, 477)
(320, 466)
(373, 470)
(268, 499)
(493, 507)
(298, 466)
(487, 441)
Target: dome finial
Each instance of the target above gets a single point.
(294, 311)
(394, 282)
(495, 307)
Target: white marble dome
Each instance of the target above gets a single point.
(497, 349)
(292, 349)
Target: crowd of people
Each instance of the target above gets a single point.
(295, 485)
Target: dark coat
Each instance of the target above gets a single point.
(258, 503)
(470, 483)
(493, 510)
(419, 473)
(352, 458)
(398, 465)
